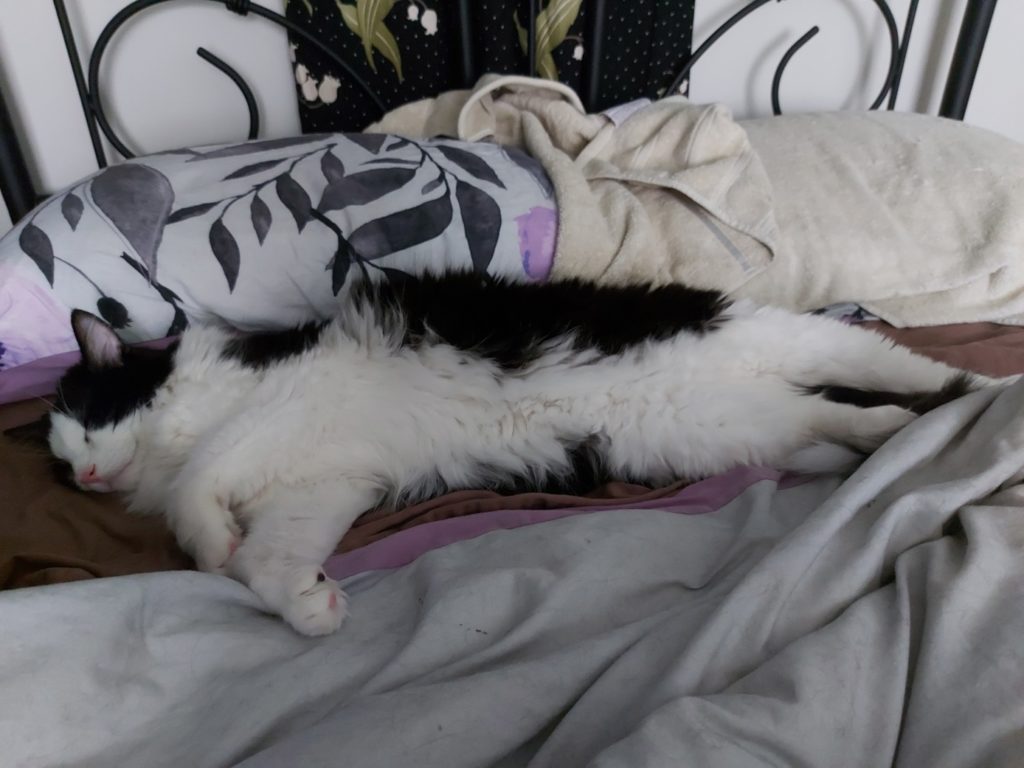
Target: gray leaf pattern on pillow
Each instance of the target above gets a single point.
(363, 187)
(113, 311)
(137, 200)
(481, 221)
(331, 167)
(393, 161)
(71, 206)
(403, 229)
(295, 199)
(372, 196)
(293, 196)
(252, 147)
(471, 163)
(250, 170)
(261, 218)
(179, 321)
(225, 249)
(36, 243)
(371, 142)
(193, 210)
(532, 166)
(343, 259)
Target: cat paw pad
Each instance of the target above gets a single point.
(318, 609)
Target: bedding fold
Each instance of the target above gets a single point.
(869, 621)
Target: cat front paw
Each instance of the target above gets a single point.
(317, 605)
(214, 548)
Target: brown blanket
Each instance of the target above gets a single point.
(995, 350)
(52, 533)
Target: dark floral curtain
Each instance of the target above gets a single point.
(409, 49)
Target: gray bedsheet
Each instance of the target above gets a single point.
(869, 622)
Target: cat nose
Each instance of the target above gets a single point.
(88, 475)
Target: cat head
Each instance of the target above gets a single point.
(96, 423)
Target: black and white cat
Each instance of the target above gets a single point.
(262, 450)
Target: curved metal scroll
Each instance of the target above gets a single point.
(91, 94)
(897, 52)
(237, 79)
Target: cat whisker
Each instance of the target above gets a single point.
(53, 405)
(60, 399)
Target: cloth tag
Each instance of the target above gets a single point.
(621, 113)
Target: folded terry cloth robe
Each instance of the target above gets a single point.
(660, 192)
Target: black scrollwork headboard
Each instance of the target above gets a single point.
(20, 194)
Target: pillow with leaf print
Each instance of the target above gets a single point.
(264, 234)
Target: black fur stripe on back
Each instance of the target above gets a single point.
(261, 350)
(509, 322)
(917, 402)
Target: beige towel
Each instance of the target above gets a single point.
(647, 192)
(917, 218)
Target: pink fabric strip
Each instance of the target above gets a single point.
(39, 378)
(405, 546)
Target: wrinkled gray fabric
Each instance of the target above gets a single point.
(867, 623)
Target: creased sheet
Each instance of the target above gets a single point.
(873, 621)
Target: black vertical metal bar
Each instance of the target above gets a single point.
(531, 39)
(464, 30)
(83, 92)
(15, 183)
(593, 38)
(966, 56)
(901, 59)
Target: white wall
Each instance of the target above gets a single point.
(157, 92)
(162, 95)
(844, 65)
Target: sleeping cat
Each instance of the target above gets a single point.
(262, 450)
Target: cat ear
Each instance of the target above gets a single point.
(101, 348)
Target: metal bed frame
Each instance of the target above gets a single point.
(21, 195)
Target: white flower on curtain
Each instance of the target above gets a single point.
(429, 22)
(427, 18)
(309, 90)
(307, 83)
(328, 91)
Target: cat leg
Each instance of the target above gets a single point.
(863, 429)
(225, 470)
(820, 351)
(292, 530)
(842, 436)
(201, 519)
